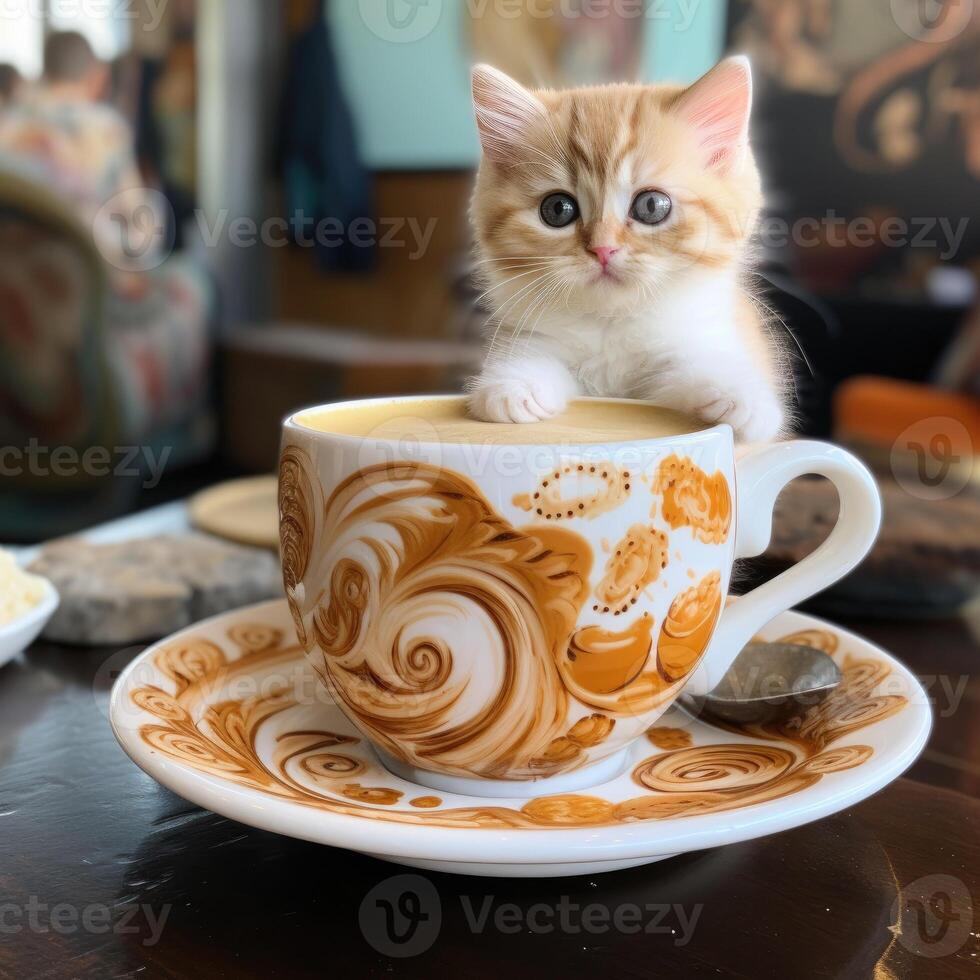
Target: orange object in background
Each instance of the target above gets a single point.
(881, 411)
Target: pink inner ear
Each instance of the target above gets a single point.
(719, 106)
(504, 112)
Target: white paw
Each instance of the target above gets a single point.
(755, 415)
(502, 400)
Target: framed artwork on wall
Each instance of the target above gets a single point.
(869, 116)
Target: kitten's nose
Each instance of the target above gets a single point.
(603, 253)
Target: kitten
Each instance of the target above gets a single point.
(613, 226)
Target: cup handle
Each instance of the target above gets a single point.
(761, 475)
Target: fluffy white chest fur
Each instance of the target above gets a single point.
(686, 352)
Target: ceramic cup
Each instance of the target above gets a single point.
(493, 616)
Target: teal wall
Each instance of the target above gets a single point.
(684, 45)
(409, 88)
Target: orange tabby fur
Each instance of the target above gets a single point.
(669, 318)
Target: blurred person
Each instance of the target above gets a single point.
(64, 138)
(11, 85)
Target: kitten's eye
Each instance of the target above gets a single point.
(651, 207)
(559, 210)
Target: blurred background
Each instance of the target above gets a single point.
(214, 212)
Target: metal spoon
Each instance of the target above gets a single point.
(769, 682)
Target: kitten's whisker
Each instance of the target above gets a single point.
(531, 301)
(509, 303)
(485, 275)
(523, 291)
(533, 305)
(552, 292)
(515, 333)
(568, 291)
(550, 302)
(776, 318)
(500, 285)
(520, 258)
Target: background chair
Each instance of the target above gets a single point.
(80, 395)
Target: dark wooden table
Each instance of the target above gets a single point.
(105, 874)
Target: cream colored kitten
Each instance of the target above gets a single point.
(613, 227)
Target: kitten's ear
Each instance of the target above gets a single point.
(504, 111)
(719, 105)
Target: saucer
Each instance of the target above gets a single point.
(245, 511)
(229, 715)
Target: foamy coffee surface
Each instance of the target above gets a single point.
(445, 420)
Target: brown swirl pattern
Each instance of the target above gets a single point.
(836, 760)
(569, 810)
(669, 738)
(817, 639)
(426, 802)
(221, 739)
(635, 564)
(254, 638)
(601, 661)
(607, 669)
(577, 490)
(586, 733)
(416, 562)
(738, 775)
(688, 628)
(299, 503)
(188, 661)
(714, 768)
(692, 498)
(309, 751)
(376, 795)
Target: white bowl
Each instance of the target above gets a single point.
(19, 634)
